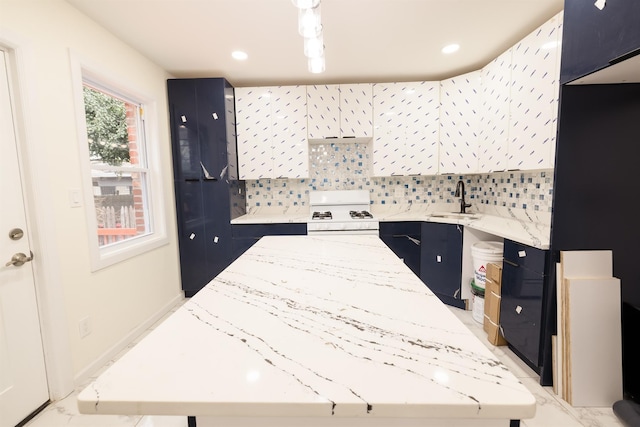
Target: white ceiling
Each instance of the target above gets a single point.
(365, 40)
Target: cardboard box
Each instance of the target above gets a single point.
(492, 301)
(491, 322)
(494, 272)
(494, 336)
(488, 301)
(485, 323)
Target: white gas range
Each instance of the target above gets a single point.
(341, 212)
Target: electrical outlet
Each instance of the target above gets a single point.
(84, 326)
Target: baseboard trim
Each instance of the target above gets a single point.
(84, 375)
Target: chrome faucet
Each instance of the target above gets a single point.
(460, 193)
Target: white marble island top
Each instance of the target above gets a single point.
(323, 328)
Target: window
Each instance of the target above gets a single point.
(124, 215)
(115, 138)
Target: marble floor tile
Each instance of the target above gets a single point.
(551, 411)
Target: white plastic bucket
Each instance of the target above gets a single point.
(477, 308)
(482, 254)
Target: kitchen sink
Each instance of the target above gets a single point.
(455, 215)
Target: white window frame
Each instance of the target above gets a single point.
(114, 253)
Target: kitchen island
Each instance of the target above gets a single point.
(313, 331)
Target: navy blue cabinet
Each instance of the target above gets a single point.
(245, 235)
(403, 238)
(593, 38)
(523, 292)
(207, 192)
(441, 261)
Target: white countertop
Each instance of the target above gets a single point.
(300, 326)
(521, 226)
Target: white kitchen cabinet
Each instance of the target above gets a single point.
(406, 128)
(460, 123)
(272, 132)
(535, 75)
(339, 111)
(494, 117)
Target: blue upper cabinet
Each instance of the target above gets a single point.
(593, 38)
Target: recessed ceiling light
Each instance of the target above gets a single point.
(451, 48)
(239, 55)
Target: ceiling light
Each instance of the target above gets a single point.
(309, 24)
(314, 47)
(316, 65)
(451, 48)
(305, 4)
(310, 27)
(239, 55)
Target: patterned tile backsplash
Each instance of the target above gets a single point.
(348, 165)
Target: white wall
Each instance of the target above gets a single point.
(119, 298)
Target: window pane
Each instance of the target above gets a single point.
(121, 205)
(118, 173)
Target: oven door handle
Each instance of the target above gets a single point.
(412, 239)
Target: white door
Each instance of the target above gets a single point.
(23, 381)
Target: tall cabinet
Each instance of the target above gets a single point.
(207, 190)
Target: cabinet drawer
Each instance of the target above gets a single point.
(400, 228)
(524, 256)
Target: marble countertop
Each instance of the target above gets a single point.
(306, 326)
(521, 226)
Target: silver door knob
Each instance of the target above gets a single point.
(19, 259)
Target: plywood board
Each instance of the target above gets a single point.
(559, 351)
(586, 263)
(594, 341)
(566, 343)
(554, 363)
(574, 264)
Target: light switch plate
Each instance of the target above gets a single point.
(75, 198)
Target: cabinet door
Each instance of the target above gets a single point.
(521, 310)
(184, 129)
(356, 110)
(594, 38)
(441, 261)
(218, 237)
(535, 75)
(422, 124)
(212, 124)
(323, 111)
(191, 235)
(403, 238)
(289, 132)
(254, 132)
(494, 119)
(459, 123)
(389, 135)
(405, 136)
